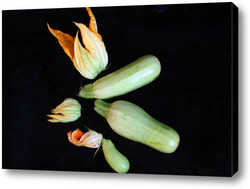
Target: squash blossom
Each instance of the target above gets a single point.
(89, 139)
(91, 59)
(69, 110)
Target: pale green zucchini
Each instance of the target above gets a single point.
(133, 76)
(132, 122)
(115, 159)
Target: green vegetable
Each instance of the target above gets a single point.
(133, 76)
(115, 159)
(132, 122)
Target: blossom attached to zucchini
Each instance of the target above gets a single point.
(69, 110)
(90, 139)
(133, 76)
(132, 122)
(91, 59)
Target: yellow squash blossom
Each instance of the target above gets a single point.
(89, 139)
(69, 110)
(91, 59)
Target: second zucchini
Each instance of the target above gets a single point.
(132, 122)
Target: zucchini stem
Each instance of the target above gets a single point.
(87, 91)
(102, 107)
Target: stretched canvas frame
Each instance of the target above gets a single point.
(196, 92)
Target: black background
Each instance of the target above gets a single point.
(192, 93)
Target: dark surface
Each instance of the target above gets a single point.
(193, 93)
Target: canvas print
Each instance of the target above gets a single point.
(149, 89)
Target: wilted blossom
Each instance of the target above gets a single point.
(89, 139)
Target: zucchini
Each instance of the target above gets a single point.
(115, 159)
(132, 122)
(133, 76)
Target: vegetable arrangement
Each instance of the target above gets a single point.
(125, 118)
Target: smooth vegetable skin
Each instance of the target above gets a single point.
(115, 159)
(131, 77)
(132, 122)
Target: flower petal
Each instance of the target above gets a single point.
(94, 45)
(65, 40)
(53, 120)
(92, 23)
(77, 135)
(67, 105)
(84, 62)
(58, 118)
(70, 137)
(91, 139)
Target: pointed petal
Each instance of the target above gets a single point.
(92, 22)
(65, 40)
(53, 120)
(57, 116)
(60, 118)
(94, 45)
(84, 61)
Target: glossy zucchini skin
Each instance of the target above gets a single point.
(115, 159)
(132, 122)
(133, 76)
